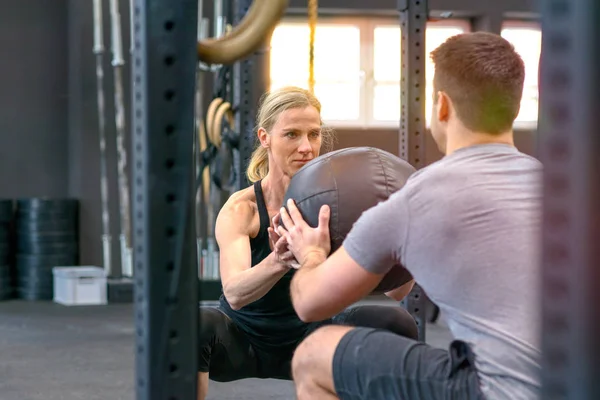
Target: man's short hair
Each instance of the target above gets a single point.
(483, 75)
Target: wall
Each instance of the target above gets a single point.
(34, 97)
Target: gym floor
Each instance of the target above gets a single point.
(52, 352)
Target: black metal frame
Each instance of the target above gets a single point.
(569, 147)
(250, 82)
(166, 280)
(166, 302)
(166, 284)
(413, 21)
(244, 122)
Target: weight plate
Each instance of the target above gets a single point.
(57, 247)
(7, 294)
(30, 215)
(5, 258)
(35, 272)
(5, 273)
(33, 294)
(41, 281)
(35, 287)
(6, 282)
(34, 261)
(4, 234)
(5, 247)
(47, 204)
(41, 225)
(45, 237)
(6, 210)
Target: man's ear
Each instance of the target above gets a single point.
(264, 137)
(443, 106)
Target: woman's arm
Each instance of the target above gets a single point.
(242, 283)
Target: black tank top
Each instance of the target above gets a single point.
(270, 322)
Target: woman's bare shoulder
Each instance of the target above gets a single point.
(239, 210)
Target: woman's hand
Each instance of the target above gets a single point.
(300, 238)
(280, 247)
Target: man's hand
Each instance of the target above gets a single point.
(301, 239)
(280, 247)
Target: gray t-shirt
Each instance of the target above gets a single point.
(467, 228)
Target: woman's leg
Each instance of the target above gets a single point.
(225, 353)
(391, 318)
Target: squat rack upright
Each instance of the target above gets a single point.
(165, 56)
(166, 297)
(569, 141)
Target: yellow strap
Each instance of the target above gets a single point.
(313, 7)
(210, 116)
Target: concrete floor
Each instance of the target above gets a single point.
(52, 352)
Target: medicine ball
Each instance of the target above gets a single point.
(350, 181)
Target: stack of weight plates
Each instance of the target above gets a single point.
(6, 216)
(46, 236)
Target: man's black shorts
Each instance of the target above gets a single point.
(378, 365)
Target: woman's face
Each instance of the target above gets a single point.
(294, 140)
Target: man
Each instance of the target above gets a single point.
(467, 229)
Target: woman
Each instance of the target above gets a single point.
(254, 330)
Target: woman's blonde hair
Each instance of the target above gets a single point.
(272, 104)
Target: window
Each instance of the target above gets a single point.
(386, 74)
(386, 67)
(357, 65)
(527, 39)
(337, 66)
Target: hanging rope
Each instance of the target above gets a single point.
(313, 7)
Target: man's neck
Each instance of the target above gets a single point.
(465, 138)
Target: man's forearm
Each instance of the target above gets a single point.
(302, 278)
(252, 284)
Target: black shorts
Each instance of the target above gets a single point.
(229, 354)
(378, 365)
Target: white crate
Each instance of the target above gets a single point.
(79, 285)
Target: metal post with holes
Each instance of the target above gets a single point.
(251, 80)
(413, 20)
(569, 145)
(166, 297)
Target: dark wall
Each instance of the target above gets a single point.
(33, 99)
